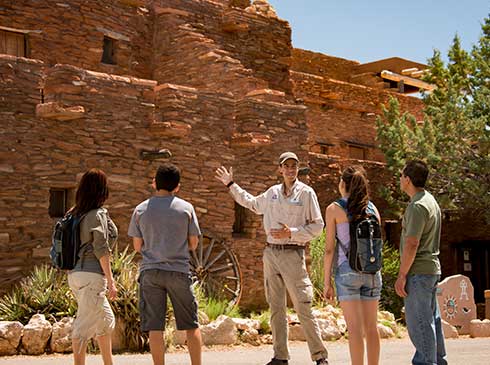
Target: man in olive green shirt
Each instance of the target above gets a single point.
(420, 269)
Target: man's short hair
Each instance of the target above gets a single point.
(417, 171)
(167, 177)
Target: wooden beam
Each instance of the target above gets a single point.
(407, 80)
(408, 71)
(417, 74)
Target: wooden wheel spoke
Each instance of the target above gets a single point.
(218, 256)
(201, 247)
(196, 260)
(230, 290)
(208, 251)
(232, 278)
(221, 268)
(216, 269)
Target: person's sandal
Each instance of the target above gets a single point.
(322, 362)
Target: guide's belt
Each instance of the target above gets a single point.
(284, 247)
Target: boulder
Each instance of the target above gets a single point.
(245, 324)
(386, 316)
(296, 333)
(36, 335)
(251, 336)
(449, 330)
(329, 331)
(385, 331)
(118, 335)
(222, 331)
(61, 335)
(10, 334)
(179, 338)
(455, 296)
(480, 328)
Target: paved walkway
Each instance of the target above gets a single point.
(463, 351)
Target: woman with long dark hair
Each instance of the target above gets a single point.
(358, 293)
(91, 279)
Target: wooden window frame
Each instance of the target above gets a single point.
(7, 40)
(109, 51)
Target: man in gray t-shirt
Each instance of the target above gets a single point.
(164, 228)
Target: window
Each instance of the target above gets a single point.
(356, 152)
(109, 53)
(323, 148)
(13, 43)
(58, 202)
(238, 225)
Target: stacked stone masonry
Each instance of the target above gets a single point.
(214, 82)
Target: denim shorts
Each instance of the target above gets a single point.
(155, 285)
(352, 285)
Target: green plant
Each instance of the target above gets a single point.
(213, 308)
(125, 306)
(454, 135)
(390, 301)
(317, 274)
(44, 291)
(264, 319)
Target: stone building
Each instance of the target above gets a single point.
(126, 84)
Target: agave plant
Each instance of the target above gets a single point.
(125, 306)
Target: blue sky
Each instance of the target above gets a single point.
(369, 30)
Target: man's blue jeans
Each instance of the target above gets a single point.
(424, 320)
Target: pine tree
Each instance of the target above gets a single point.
(454, 137)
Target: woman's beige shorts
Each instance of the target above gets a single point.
(94, 315)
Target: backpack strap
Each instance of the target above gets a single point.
(341, 202)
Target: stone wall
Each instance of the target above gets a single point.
(240, 51)
(341, 114)
(322, 65)
(118, 118)
(72, 32)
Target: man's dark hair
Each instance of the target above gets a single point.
(417, 171)
(167, 177)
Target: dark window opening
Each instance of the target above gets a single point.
(58, 202)
(239, 223)
(109, 53)
(357, 152)
(324, 149)
(13, 43)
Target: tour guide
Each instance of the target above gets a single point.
(292, 218)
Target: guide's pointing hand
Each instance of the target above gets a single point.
(223, 175)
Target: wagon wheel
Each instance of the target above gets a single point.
(215, 267)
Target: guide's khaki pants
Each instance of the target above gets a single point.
(285, 269)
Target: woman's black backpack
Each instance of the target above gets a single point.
(366, 242)
(65, 244)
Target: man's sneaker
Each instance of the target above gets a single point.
(275, 361)
(322, 362)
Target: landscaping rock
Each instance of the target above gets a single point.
(36, 335)
(296, 333)
(245, 324)
(10, 334)
(329, 330)
(222, 331)
(455, 295)
(449, 330)
(251, 336)
(118, 335)
(480, 328)
(179, 338)
(385, 331)
(61, 335)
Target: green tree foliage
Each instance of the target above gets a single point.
(454, 136)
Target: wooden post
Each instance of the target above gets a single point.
(487, 304)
